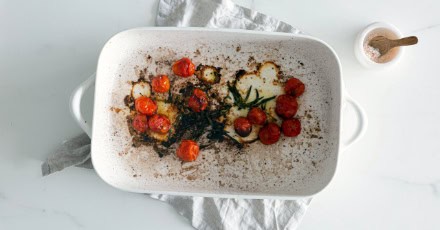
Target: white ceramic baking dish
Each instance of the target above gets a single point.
(293, 168)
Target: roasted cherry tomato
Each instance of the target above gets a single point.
(140, 123)
(198, 101)
(294, 87)
(286, 106)
(188, 150)
(257, 116)
(159, 123)
(145, 105)
(269, 134)
(291, 127)
(242, 126)
(161, 84)
(183, 67)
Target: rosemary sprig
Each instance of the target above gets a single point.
(263, 102)
(248, 93)
(242, 103)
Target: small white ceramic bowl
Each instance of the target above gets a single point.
(378, 28)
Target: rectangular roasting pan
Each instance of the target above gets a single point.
(290, 169)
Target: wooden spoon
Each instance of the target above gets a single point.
(384, 44)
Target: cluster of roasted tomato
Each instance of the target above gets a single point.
(147, 108)
(148, 120)
(286, 108)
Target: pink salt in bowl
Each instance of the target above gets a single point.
(369, 56)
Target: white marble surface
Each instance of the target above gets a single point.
(388, 180)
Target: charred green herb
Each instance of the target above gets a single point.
(193, 125)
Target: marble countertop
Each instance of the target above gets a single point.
(390, 179)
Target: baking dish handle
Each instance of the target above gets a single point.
(75, 104)
(362, 122)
